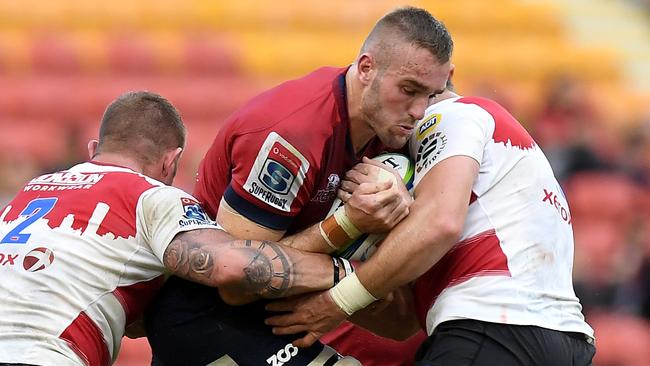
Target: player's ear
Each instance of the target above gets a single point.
(92, 148)
(365, 67)
(170, 162)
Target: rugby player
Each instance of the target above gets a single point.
(274, 169)
(488, 244)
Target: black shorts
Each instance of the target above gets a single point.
(188, 324)
(477, 343)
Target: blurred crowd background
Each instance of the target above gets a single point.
(576, 73)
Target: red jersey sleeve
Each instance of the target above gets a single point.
(270, 179)
(268, 158)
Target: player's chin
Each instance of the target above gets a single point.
(396, 140)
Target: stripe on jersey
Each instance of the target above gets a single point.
(257, 214)
(506, 127)
(136, 297)
(85, 338)
(480, 255)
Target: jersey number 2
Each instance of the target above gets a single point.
(34, 210)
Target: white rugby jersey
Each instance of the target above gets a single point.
(80, 257)
(514, 260)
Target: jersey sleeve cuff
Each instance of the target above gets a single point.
(255, 213)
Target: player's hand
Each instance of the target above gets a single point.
(362, 173)
(367, 172)
(315, 314)
(377, 207)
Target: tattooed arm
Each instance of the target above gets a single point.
(246, 269)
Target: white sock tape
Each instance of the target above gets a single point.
(350, 294)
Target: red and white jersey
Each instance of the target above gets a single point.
(513, 262)
(80, 256)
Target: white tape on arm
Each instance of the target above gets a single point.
(344, 222)
(350, 295)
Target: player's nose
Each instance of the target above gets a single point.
(417, 108)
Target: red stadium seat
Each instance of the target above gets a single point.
(621, 340)
(606, 196)
(131, 54)
(54, 54)
(599, 250)
(42, 140)
(210, 54)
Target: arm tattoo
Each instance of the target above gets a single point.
(188, 258)
(265, 269)
(266, 275)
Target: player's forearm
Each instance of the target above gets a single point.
(435, 222)
(308, 240)
(262, 268)
(403, 256)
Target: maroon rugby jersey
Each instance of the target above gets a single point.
(279, 160)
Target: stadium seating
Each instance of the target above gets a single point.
(63, 61)
(623, 340)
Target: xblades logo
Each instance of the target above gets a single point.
(429, 150)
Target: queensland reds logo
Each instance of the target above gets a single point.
(38, 259)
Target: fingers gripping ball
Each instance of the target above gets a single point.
(362, 248)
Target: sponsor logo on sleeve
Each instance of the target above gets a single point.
(430, 148)
(193, 213)
(277, 174)
(427, 125)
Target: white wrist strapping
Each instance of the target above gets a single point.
(344, 222)
(350, 294)
(326, 237)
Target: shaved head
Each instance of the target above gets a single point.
(412, 26)
(142, 125)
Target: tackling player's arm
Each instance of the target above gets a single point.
(248, 267)
(437, 216)
(434, 224)
(191, 246)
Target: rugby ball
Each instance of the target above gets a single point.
(363, 247)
